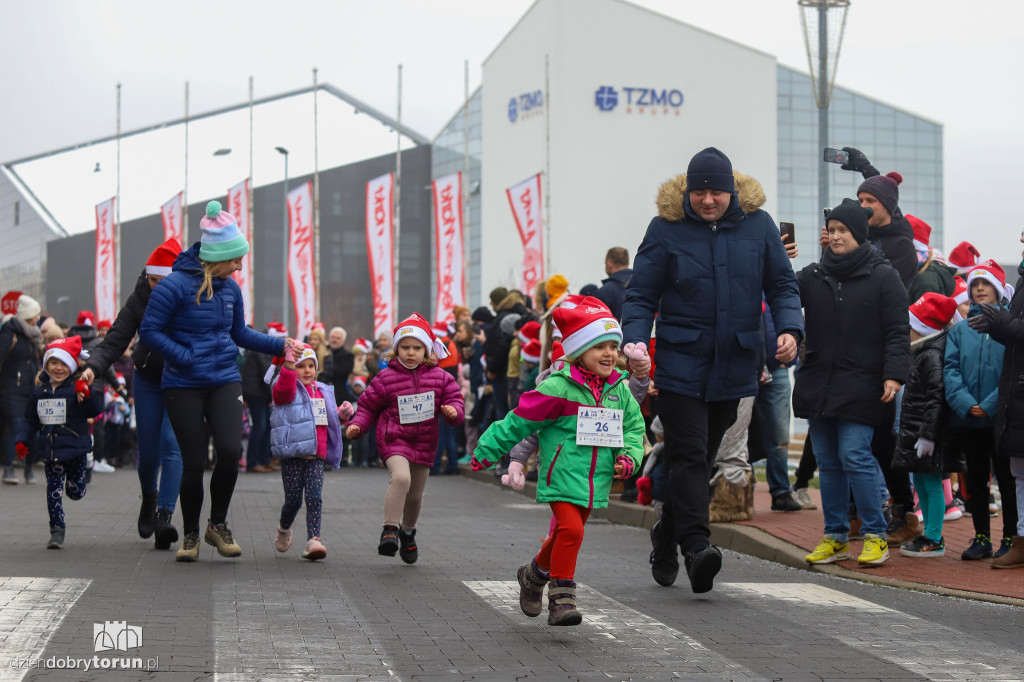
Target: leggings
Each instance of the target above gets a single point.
(933, 503)
(979, 447)
(405, 492)
(57, 472)
(221, 407)
(298, 476)
(562, 547)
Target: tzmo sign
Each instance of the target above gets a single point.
(525, 105)
(639, 100)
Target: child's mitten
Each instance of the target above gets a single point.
(645, 490)
(82, 388)
(345, 411)
(514, 477)
(639, 360)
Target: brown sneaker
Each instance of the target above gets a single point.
(219, 536)
(189, 548)
(1014, 558)
(909, 530)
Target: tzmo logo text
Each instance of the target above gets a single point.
(639, 100)
(526, 105)
(116, 635)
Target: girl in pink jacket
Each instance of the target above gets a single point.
(407, 398)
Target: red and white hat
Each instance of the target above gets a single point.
(303, 352)
(960, 292)
(557, 353)
(66, 350)
(362, 346)
(529, 331)
(318, 325)
(277, 330)
(161, 260)
(963, 257)
(586, 325)
(531, 351)
(416, 327)
(358, 380)
(931, 313)
(103, 324)
(922, 232)
(991, 272)
(440, 328)
(86, 319)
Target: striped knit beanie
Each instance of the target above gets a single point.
(222, 240)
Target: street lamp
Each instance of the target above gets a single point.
(284, 251)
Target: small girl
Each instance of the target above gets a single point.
(406, 399)
(590, 431)
(305, 430)
(59, 415)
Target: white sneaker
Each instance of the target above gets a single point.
(953, 513)
(101, 467)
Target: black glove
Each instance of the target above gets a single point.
(858, 162)
(991, 316)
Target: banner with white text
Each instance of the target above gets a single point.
(171, 213)
(451, 289)
(380, 246)
(525, 200)
(301, 275)
(106, 267)
(238, 206)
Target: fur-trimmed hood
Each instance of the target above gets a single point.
(672, 192)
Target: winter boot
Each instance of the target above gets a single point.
(164, 532)
(702, 566)
(56, 538)
(902, 533)
(388, 541)
(219, 535)
(407, 549)
(729, 502)
(532, 580)
(664, 556)
(1015, 557)
(315, 550)
(147, 515)
(283, 540)
(562, 603)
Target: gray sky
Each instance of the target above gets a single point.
(948, 61)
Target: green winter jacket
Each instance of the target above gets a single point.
(567, 472)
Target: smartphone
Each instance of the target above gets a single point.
(787, 229)
(836, 155)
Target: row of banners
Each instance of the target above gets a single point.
(524, 198)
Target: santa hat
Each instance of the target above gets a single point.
(161, 260)
(66, 350)
(277, 330)
(963, 257)
(531, 351)
(557, 353)
(358, 381)
(931, 313)
(440, 328)
(103, 324)
(991, 272)
(586, 325)
(416, 327)
(318, 325)
(85, 318)
(361, 346)
(960, 293)
(303, 352)
(120, 379)
(529, 331)
(922, 233)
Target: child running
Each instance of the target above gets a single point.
(590, 431)
(59, 415)
(305, 431)
(407, 398)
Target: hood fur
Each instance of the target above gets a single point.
(671, 193)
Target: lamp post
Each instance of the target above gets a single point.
(284, 251)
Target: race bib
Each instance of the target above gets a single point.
(319, 411)
(599, 426)
(52, 410)
(413, 409)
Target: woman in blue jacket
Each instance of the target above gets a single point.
(196, 320)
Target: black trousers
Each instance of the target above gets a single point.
(979, 450)
(883, 447)
(693, 434)
(221, 408)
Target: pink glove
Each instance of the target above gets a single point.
(289, 354)
(514, 477)
(345, 411)
(639, 360)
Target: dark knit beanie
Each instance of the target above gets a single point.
(498, 295)
(885, 188)
(710, 169)
(854, 216)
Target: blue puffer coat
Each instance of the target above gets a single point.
(293, 431)
(705, 282)
(971, 372)
(60, 442)
(198, 341)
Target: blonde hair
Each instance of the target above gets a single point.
(210, 270)
(430, 360)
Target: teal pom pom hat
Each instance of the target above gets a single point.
(222, 240)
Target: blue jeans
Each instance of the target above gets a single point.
(845, 464)
(258, 450)
(159, 454)
(773, 401)
(446, 441)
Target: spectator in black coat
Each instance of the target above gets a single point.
(342, 363)
(613, 289)
(21, 351)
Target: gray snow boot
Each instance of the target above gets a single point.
(531, 582)
(562, 603)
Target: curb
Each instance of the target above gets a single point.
(754, 542)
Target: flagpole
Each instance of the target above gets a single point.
(184, 210)
(465, 185)
(398, 194)
(316, 201)
(117, 207)
(252, 214)
(547, 170)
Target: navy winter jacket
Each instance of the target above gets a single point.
(60, 442)
(613, 291)
(705, 282)
(199, 342)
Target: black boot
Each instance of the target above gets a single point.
(388, 541)
(408, 550)
(146, 515)
(664, 556)
(531, 583)
(165, 533)
(562, 603)
(702, 566)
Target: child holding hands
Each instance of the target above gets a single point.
(590, 431)
(407, 398)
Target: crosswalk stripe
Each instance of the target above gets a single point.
(31, 610)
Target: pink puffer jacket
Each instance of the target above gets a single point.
(416, 442)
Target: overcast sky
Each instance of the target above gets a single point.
(952, 62)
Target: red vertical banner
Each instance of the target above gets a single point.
(238, 206)
(301, 275)
(451, 289)
(106, 268)
(380, 247)
(525, 200)
(171, 213)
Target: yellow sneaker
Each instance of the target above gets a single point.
(829, 551)
(875, 552)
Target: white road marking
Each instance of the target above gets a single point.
(605, 618)
(31, 610)
(917, 645)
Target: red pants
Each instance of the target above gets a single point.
(558, 555)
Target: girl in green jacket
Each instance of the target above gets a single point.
(590, 431)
